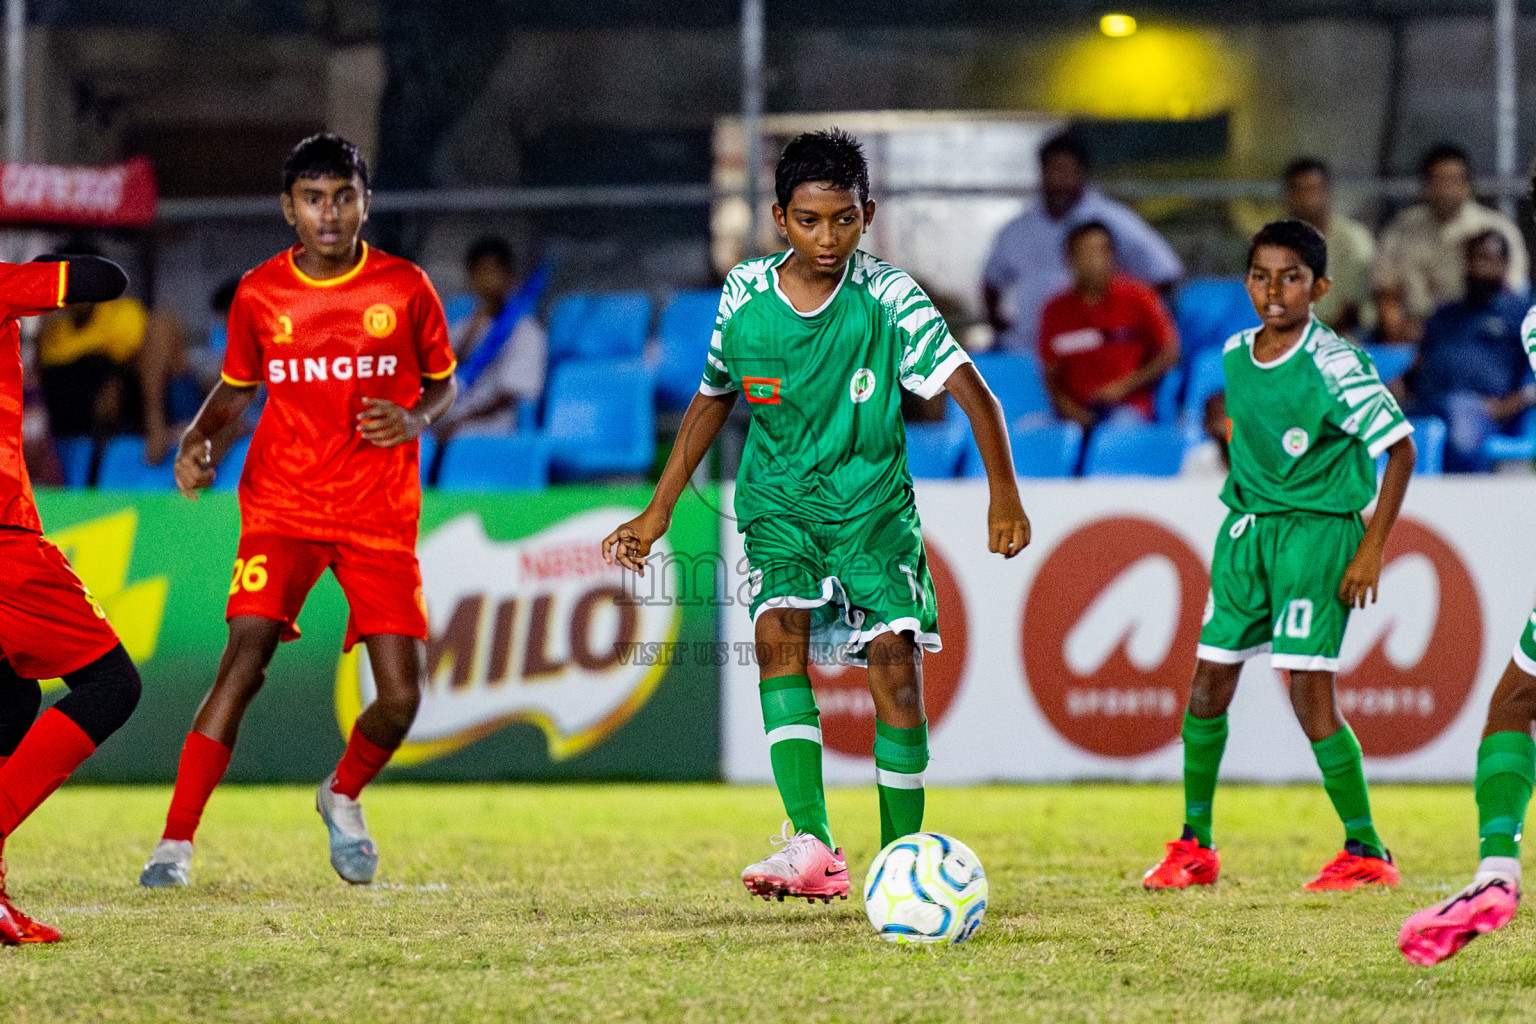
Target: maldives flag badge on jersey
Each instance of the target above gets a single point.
(761, 390)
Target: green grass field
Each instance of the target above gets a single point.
(619, 903)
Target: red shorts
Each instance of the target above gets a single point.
(274, 574)
(49, 623)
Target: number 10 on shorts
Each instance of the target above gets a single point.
(1297, 620)
(250, 575)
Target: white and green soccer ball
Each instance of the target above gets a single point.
(926, 888)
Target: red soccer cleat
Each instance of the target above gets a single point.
(1185, 864)
(17, 928)
(801, 868)
(1353, 868)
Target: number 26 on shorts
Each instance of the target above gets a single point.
(250, 575)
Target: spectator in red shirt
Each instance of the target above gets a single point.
(1106, 341)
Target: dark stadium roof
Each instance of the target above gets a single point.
(352, 16)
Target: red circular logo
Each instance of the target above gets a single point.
(1110, 671)
(1395, 708)
(842, 691)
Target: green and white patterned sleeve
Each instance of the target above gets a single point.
(1528, 336)
(929, 353)
(1362, 406)
(733, 295)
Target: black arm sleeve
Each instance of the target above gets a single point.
(91, 278)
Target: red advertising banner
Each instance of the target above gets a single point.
(117, 196)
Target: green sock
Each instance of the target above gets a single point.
(900, 757)
(793, 725)
(1506, 773)
(1344, 779)
(1204, 741)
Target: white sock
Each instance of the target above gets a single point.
(1507, 868)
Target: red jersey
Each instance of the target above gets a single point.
(1091, 346)
(26, 289)
(321, 347)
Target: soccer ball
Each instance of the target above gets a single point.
(926, 887)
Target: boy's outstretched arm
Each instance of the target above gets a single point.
(1007, 525)
(1358, 588)
(194, 459)
(630, 543)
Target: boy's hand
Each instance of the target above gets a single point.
(631, 543)
(194, 468)
(1358, 588)
(386, 424)
(1007, 527)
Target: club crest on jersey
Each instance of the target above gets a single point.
(379, 320)
(862, 385)
(761, 390)
(1296, 442)
(284, 334)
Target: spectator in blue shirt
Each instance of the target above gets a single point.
(1471, 368)
(1027, 265)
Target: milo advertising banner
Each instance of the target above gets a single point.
(540, 664)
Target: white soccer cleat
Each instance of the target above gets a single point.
(169, 865)
(801, 867)
(353, 854)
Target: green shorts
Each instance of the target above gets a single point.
(1275, 588)
(865, 576)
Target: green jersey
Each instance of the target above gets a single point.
(1306, 429)
(826, 442)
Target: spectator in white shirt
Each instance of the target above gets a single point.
(1027, 265)
(489, 404)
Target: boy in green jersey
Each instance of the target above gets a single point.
(1308, 418)
(817, 340)
(1506, 775)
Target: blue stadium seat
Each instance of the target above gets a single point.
(687, 323)
(1429, 437)
(1392, 361)
(425, 455)
(123, 469)
(601, 418)
(1205, 379)
(1040, 450)
(614, 326)
(934, 449)
(563, 331)
(495, 462)
(1209, 310)
(1165, 401)
(75, 459)
(227, 477)
(1016, 381)
(1517, 445)
(1134, 449)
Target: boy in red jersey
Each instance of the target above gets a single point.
(353, 348)
(49, 624)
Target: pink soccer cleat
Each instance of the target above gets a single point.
(1436, 933)
(802, 867)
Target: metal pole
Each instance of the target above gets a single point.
(1504, 99)
(15, 80)
(752, 114)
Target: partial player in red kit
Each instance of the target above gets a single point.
(49, 624)
(353, 348)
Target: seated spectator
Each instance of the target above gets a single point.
(1210, 459)
(1308, 197)
(1472, 369)
(1106, 342)
(489, 403)
(1421, 263)
(1026, 266)
(114, 367)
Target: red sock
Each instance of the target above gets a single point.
(50, 750)
(203, 761)
(363, 760)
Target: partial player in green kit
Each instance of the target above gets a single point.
(819, 340)
(1308, 418)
